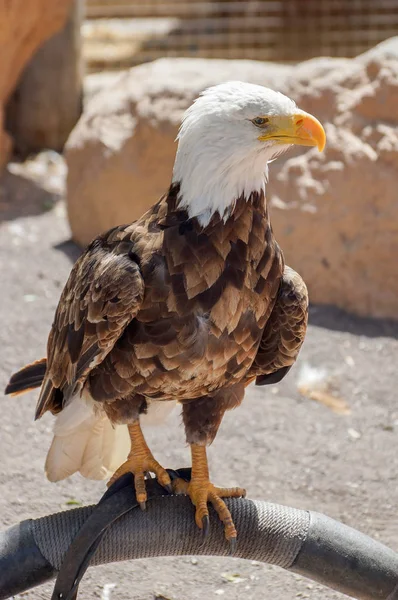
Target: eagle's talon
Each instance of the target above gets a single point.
(232, 546)
(201, 491)
(205, 527)
(204, 492)
(168, 488)
(140, 462)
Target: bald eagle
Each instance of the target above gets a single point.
(188, 304)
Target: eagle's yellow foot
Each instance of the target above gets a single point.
(201, 491)
(139, 462)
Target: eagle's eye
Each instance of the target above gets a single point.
(260, 121)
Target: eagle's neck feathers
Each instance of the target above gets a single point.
(212, 178)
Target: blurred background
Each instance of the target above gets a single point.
(123, 33)
(91, 96)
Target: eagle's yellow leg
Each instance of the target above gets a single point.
(140, 461)
(201, 491)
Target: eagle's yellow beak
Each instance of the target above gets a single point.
(302, 129)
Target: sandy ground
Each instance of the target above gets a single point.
(281, 446)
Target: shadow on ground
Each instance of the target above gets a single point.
(22, 197)
(336, 319)
(70, 249)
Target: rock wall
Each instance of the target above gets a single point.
(24, 26)
(335, 214)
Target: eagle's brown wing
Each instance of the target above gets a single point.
(102, 295)
(284, 332)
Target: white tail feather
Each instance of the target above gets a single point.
(107, 449)
(85, 441)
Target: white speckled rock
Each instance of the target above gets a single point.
(335, 214)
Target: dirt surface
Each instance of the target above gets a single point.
(281, 446)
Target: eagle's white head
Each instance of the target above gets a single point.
(227, 138)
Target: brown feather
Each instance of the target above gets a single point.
(284, 332)
(101, 296)
(27, 378)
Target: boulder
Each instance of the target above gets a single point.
(47, 101)
(24, 26)
(334, 214)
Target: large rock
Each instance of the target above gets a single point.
(24, 26)
(335, 214)
(47, 102)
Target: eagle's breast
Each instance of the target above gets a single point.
(208, 295)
